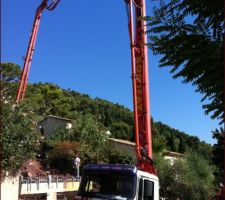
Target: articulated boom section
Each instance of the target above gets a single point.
(49, 5)
(137, 28)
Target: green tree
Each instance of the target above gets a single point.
(61, 156)
(193, 142)
(121, 130)
(10, 72)
(117, 157)
(91, 133)
(10, 77)
(20, 138)
(171, 143)
(218, 154)
(182, 146)
(189, 36)
(185, 179)
(159, 143)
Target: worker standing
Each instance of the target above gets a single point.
(77, 166)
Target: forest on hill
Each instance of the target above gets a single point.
(49, 99)
(92, 118)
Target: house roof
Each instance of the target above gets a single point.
(56, 117)
(173, 154)
(122, 141)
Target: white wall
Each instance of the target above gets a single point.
(123, 147)
(10, 189)
(50, 125)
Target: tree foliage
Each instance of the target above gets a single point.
(117, 157)
(186, 179)
(20, 138)
(122, 130)
(10, 75)
(61, 156)
(189, 36)
(167, 138)
(218, 154)
(92, 118)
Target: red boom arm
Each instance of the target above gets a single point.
(31, 46)
(139, 55)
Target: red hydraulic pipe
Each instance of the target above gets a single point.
(139, 55)
(31, 46)
(138, 148)
(146, 83)
(30, 51)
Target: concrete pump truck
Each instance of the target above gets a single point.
(126, 182)
(115, 181)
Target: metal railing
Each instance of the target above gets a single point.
(52, 179)
(35, 185)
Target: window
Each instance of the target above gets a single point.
(108, 185)
(140, 191)
(93, 186)
(42, 131)
(148, 190)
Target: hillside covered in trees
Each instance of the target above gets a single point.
(92, 118)
(50, 99)
(43, 99)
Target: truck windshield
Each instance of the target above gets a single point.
(108, 186)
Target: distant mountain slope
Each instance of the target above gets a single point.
(48, 98)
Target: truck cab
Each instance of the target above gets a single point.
(120, 182)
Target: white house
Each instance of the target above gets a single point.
(129, 147)
(172, 156)
(122, 146)
(50, 124)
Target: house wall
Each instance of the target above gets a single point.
(10, 189)
(50, 125)
(127, 148)
(172, 159)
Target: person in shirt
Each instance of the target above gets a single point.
(77, 166)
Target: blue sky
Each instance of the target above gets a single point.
(84, 46)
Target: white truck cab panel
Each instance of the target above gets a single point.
(147, 186)
(119, 182)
